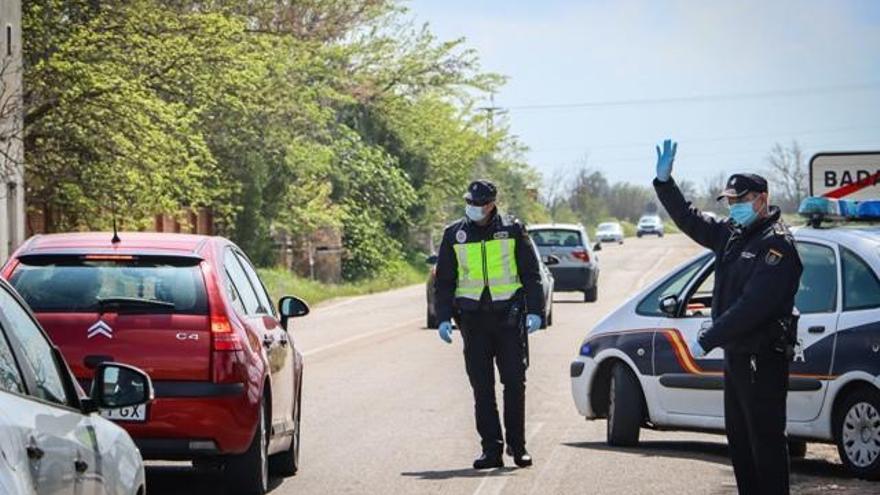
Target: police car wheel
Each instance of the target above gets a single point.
(625, 408)
(857, 430)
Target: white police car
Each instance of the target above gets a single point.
(635, 367)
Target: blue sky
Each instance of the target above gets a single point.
(563, 52)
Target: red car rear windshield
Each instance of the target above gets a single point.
(74, 284)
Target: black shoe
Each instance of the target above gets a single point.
(521, 457)
(489, 461)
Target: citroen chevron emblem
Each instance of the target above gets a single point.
(100, 328)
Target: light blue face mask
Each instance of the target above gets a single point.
(743, 214)
(475, 213)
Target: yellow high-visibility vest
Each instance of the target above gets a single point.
(489, 264)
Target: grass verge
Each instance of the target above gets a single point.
(280, 282)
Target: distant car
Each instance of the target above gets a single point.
(650, 225)
(609, 232)
(547, 283)
(192, 311)
(52, 438)
(636, 369)
(578, 267)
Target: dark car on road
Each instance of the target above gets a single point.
(578, 266)
(547, 282)
(192, 312)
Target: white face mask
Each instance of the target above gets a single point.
(475, 213)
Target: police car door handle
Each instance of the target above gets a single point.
(816, 329)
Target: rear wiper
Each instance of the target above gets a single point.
(133, 301)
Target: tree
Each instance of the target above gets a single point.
(788, 175)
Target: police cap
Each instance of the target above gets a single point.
(480, 192)
(741, 184)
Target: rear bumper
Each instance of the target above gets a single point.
(650, 232)
(574, 278)
(189, 420)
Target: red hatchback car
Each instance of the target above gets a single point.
(192, 312)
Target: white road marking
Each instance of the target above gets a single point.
(498, 482)
(362, 336)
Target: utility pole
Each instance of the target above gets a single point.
(491, 111)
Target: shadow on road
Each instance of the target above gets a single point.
(185, 480)
(458, 473)
(803, 470)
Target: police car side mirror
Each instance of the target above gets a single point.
(597, 247)
(120, 385)
(669, 306)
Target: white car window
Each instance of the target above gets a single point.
(36, 349)
(861, 290)
(650, 305)
(818, 286)
(10, 376)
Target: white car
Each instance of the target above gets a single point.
(635, 367)
(53, 440)
(650, 225)
(609, 232)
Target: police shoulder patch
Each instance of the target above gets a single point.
(773, 257)
(461, 236)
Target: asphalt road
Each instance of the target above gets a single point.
(388, 408)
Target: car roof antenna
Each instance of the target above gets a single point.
(115, 239)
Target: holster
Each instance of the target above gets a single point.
(785, 340)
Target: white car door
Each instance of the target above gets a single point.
(689, 386)
(58, 438)
(818, 301)
(699, 390)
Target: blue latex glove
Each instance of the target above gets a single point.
(665, 159)
(445, 331)
(697, 350)
(533, 323)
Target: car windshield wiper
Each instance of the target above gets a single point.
(133, 302)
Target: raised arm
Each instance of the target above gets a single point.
(704, 230)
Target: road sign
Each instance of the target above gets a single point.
(854, 176)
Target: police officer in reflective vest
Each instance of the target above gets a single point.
(757, 274)
(488, 279)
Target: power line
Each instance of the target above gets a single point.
(700, 98)
(687, 141)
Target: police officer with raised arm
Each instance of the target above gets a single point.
(757, 274)
(488, 279)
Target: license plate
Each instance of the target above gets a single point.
(132, 413)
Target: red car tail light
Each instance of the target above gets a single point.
(223, 336)
(581, 255)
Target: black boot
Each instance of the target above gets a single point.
(489, 461)
(521, 457)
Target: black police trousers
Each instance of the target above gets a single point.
(490, 340)
(755, 415)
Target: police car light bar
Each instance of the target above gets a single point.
(822, 209)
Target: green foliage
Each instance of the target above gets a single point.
(281, 117)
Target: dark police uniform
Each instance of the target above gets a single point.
(492, 330)
(757, 274)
